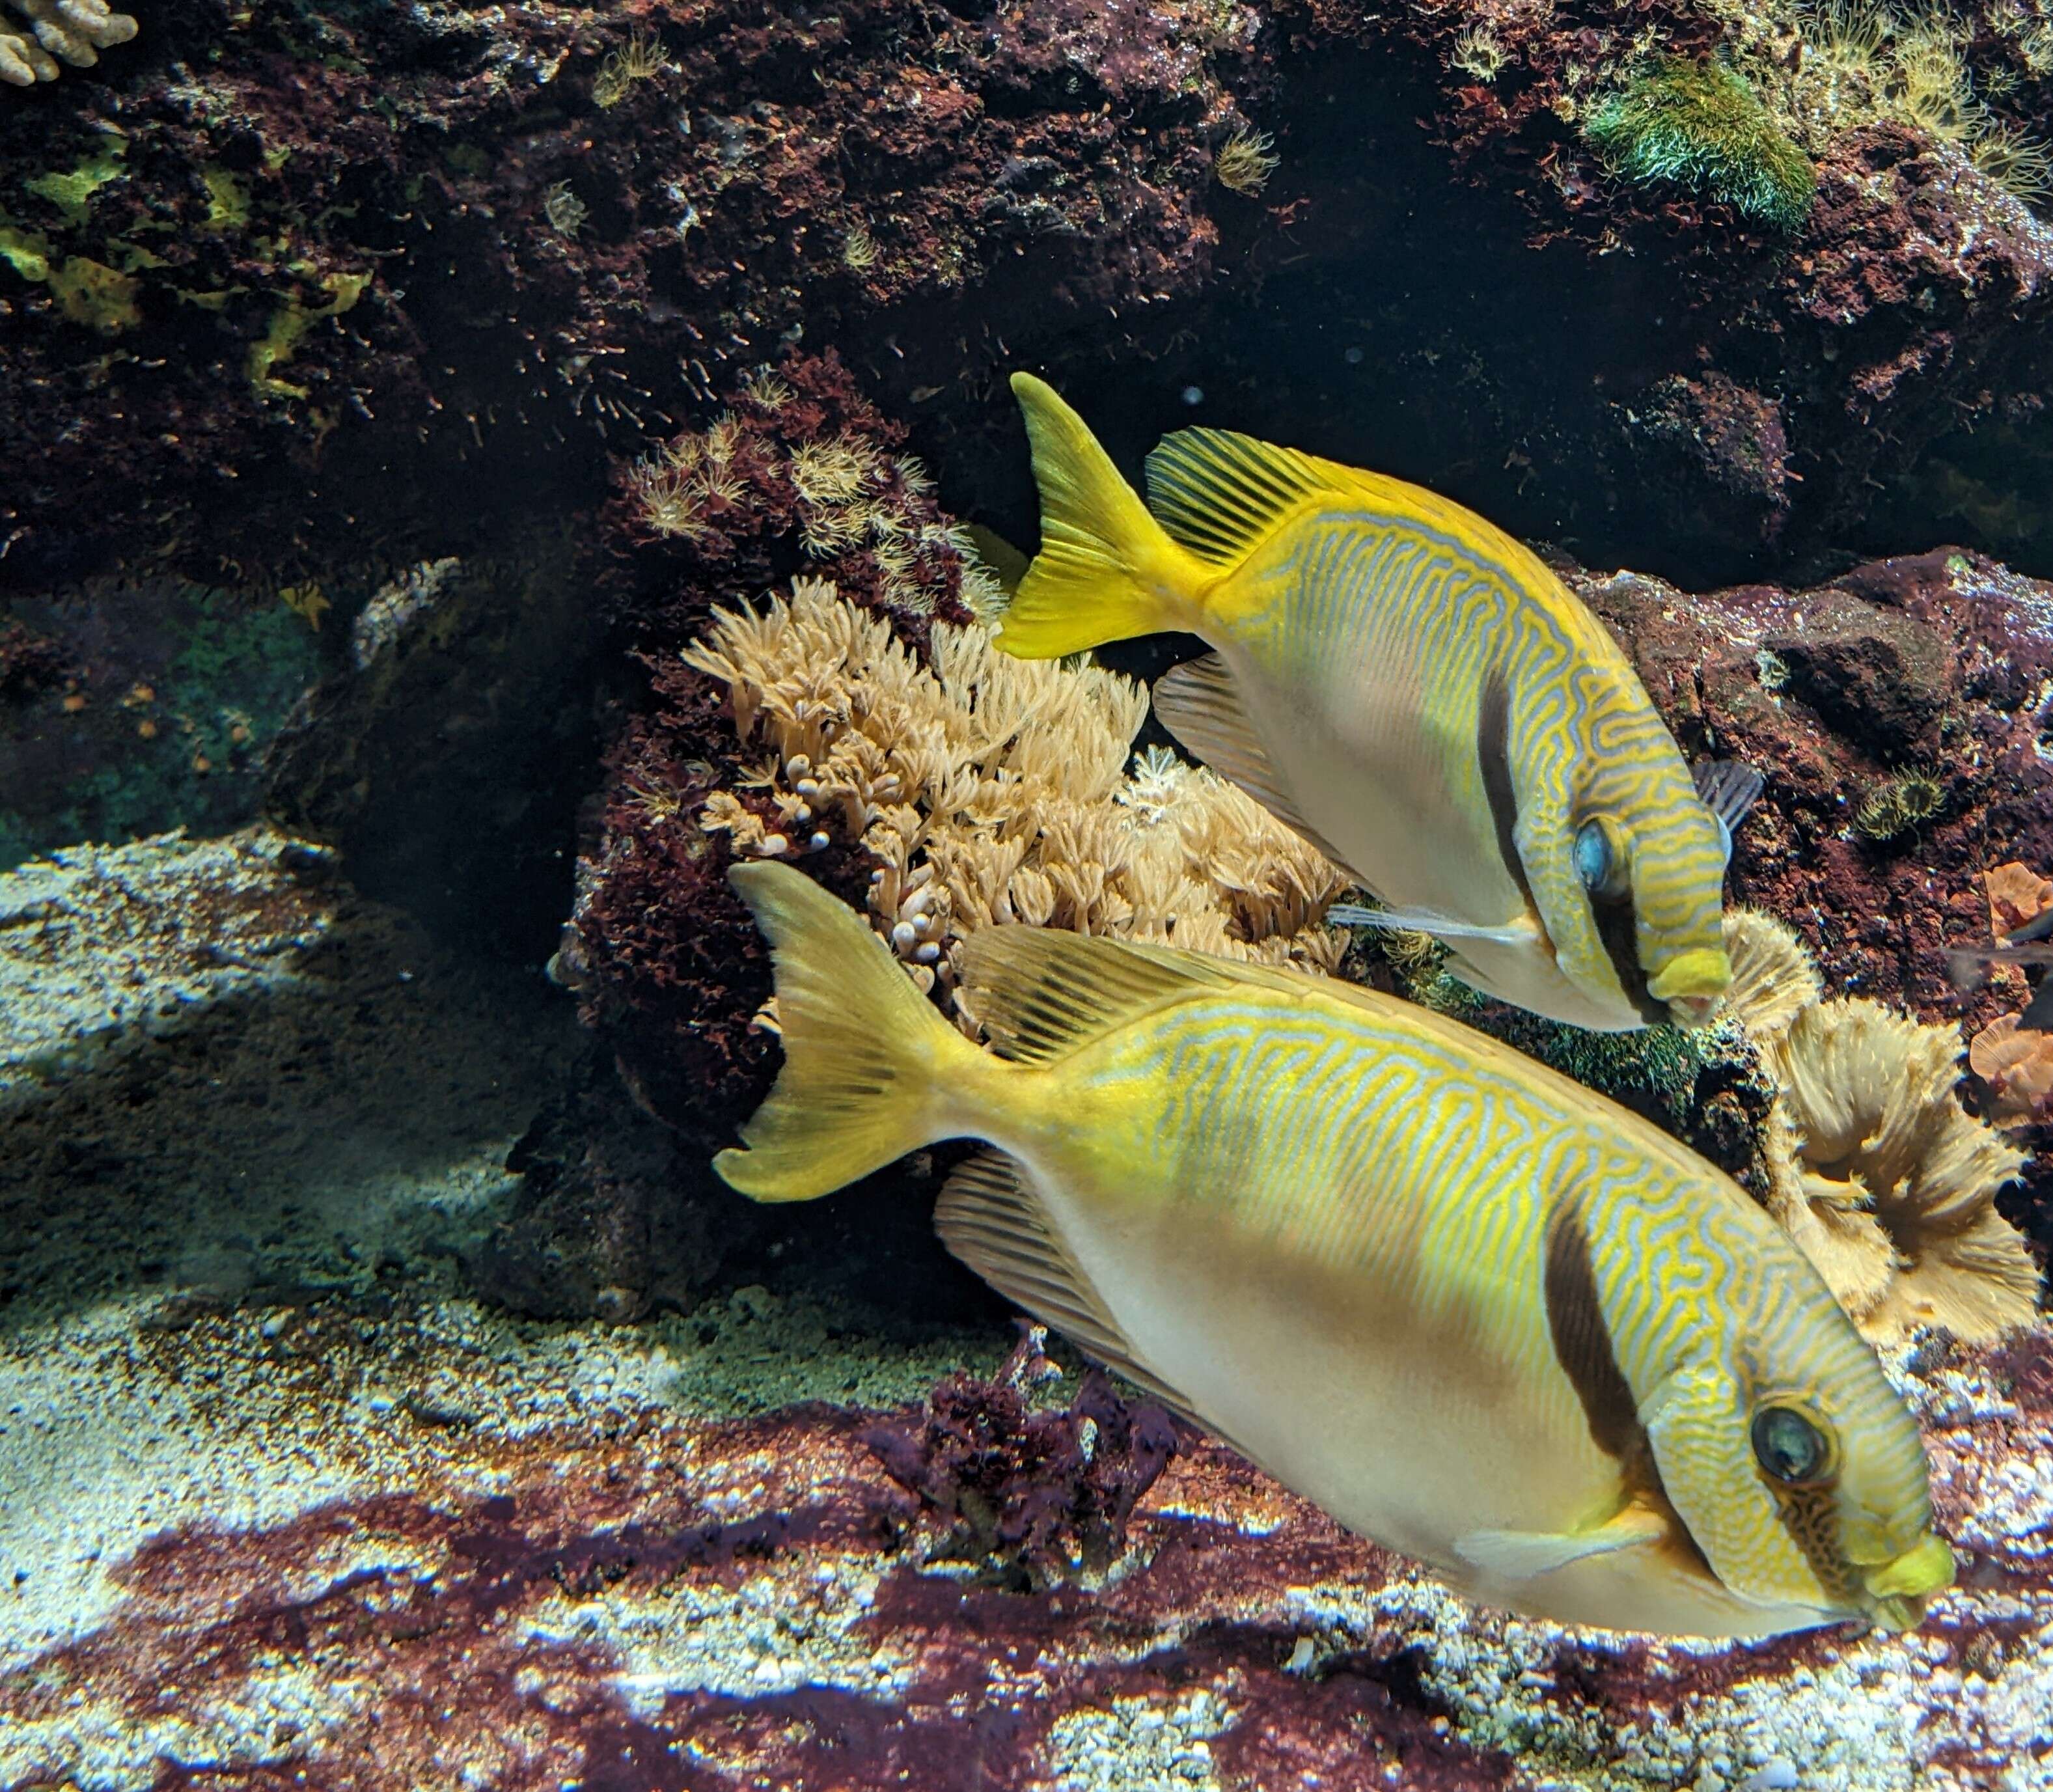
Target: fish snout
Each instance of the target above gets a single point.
(1691, 983)
(1900, 1588)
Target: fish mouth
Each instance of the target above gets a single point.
(1901, 1587)
(1691, 983)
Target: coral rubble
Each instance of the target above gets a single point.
(104, 949)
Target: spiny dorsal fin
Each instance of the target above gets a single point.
(1218, 493)
(1197, 703)
(1039, 993)
(989, 1217)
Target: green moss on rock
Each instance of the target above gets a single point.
(1700, 125)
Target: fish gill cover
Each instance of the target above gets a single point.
(364, 348)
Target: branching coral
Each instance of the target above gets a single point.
(72, 31)
(1701, 125)
(994, 789)
(1881, 1178)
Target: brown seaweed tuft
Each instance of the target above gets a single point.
(1034, 1499)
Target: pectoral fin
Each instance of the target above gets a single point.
(1729, 790)
(1525, 1555)
(1424, 920)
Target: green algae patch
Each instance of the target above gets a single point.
(1700, 125)
(92, 294)
(289, 325)
(72, 192)
(227, 200)
(26, 253)
(87, 292)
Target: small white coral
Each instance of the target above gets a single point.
(74, 31)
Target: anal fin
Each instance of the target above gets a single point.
(990, 1218)
(1197, 703)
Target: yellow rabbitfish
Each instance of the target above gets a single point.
(1477, 1313)
(1410, 687)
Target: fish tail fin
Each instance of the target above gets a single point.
(1106, 570)
(868, 1061)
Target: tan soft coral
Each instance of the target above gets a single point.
(992, 789)
(1881, 1178)
(74, 31)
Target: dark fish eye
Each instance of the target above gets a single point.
(1787, 1445)
(1597, 862)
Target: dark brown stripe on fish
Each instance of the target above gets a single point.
(1494, 750)
(1619, 928)
(1582, 1340)
(1583, 1346)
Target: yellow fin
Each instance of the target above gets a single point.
(989, 1217)
(1105, 571)
(1218, 493)
(864, 1052)
(1525, 1555)
(1197, 703)
(1040, 993)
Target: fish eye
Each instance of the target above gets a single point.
(1598, 864)
(1789, 1446)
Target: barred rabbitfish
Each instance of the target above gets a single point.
(1476, 1312)
(1414, 691)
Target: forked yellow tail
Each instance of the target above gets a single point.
(868, 1060)
(1106, 571)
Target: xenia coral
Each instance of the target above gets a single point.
(1701, 125)
(1881, 1178)
(74, 31)
(1866, 62)
(992, 789)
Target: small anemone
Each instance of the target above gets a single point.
(1887, 1183)
(1773, 979)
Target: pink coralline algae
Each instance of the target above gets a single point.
(642, 1600)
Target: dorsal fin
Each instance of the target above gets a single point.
(1197, 703)
(1218, 493)
(989, 1217)
(1039, 993)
